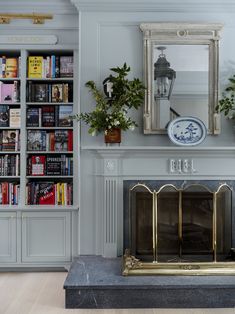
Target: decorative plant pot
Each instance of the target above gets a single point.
(112, 136)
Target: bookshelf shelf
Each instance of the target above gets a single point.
(49, 128)
(5, 152)
(10, 104)
(50, 177)
(7, 79)
(56, 79)
(8, 128)
(9, 177)
(49, 103)
(49, 152)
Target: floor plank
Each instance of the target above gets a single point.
(42, 293)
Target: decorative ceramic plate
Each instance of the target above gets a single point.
(187, 131)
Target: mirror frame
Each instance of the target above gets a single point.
(181, 34)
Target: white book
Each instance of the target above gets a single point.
(14, 117)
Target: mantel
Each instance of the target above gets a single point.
(155, 6)
(198, 150)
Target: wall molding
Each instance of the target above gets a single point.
(37, 6)
(180, 6)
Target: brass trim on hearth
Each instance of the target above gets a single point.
(131, 266)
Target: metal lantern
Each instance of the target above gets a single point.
(164, 76)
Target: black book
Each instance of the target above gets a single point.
(32, 117)
(4, 115)
(66, 66)
(53, 166)
(40, 92)
(48, 116)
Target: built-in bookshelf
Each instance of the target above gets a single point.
(49, 128)
(38, 137)
(10, 128)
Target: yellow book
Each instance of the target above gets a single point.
(11, 67)
(35, 67)
(58, 193)
(62, 194)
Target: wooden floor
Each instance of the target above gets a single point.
(42, 293)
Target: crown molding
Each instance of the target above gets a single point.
(37, 6)
(177, 6)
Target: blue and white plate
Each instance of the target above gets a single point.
(187, 131)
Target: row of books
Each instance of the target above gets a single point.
(42, 92)
(9, 193)
(9, 92)
(49, 116)
(9, 165)
(50, 66)
(41, 165)
(54, 141)
(49, 193)
(9, 117)
(10, 140)
(10, 67)
(42, 140)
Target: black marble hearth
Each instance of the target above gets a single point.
(96, 282)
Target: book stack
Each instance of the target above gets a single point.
(9, 193)
(10, 67)
(49, 193)
(49, 116)
(50, 66)
(46, 92)
(9, 165)
(42, 165)
(55, 141)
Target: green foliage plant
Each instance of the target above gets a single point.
(112, 112)
(227, 102)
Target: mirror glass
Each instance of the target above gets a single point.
(190, 89)
(180, 74)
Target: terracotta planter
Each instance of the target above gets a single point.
(112, 136)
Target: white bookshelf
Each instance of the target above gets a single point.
(42, 236)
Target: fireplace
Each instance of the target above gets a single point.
(173, 227)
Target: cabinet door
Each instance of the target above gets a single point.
(46, 237)
(7, 237)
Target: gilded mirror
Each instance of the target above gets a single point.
(181, 74)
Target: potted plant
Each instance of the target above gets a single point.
(227, 102)
(111, 111)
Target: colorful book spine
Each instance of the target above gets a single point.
(35, 67)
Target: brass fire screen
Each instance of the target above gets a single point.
(177, 230)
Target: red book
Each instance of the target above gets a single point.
(5, 193)
(46, 194)
(52, 141)
(70, 140)
(38, 165)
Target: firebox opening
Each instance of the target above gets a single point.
(169, 224)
